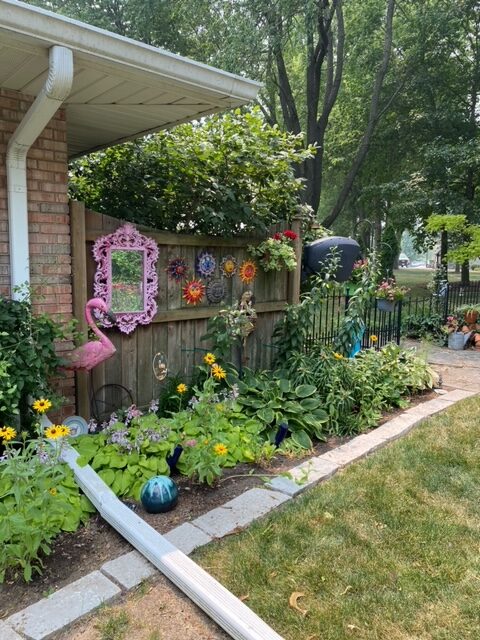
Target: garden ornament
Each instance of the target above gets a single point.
(87, 356)
(159, 494)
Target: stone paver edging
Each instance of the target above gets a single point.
(49, 615)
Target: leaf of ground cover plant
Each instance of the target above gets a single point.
(293, 600)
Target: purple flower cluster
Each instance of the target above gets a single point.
(153, 408)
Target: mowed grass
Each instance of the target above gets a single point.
(417, 280)
(387, 549)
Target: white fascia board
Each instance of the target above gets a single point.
(92, 42)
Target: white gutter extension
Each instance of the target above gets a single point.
(56, 89)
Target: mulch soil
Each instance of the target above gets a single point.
(77, 554)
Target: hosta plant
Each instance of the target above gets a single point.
(273, 399)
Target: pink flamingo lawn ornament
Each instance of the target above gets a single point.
(88, 355)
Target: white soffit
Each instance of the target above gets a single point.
(122, 89)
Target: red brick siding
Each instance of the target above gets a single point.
(48, 216)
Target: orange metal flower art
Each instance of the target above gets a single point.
(248, 271)
(194, 291)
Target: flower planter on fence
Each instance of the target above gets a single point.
(385, 305)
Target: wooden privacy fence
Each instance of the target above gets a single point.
(177, 327)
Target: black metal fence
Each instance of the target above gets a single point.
(389, 326)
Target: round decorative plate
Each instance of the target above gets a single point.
(228, 266)
(216, 291)
(78, 426)
(206, 264)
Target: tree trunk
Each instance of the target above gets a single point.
(465, 277)
(329, 49)
(444, 250)
(373, 120)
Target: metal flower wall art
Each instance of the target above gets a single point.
(126, 277)
(194, 291)
(206, 264)
(228, 266)
(177, 269)
(248, 271)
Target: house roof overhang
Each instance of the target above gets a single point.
(122, 89)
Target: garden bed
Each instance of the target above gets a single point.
(76, 554)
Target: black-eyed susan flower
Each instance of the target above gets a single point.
(56, 431)
(373, 339)
(218, 372)
(220, 450)
(209, 358)
(65, 431)
(42, 405)
(7, 433)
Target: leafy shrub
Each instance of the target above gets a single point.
(38, 499)
(355, 391)
(230, 173)
(419, 326)
(27, 351)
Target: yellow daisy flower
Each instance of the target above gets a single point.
(373, 338)
(53, 491)
(218, 372)
(7, 433)
(65, 431)
(209, 358)
(220, 450)
(338, 356)
(56, 431)
(42, 405)
(182, 388)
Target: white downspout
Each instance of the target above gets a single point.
(56, 89)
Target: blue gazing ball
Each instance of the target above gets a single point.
(159, 494)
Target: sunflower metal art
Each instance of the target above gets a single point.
(248, 271)
(216, 291)
(228, 266)
(206, 264)
(194, 291)
(177, 269)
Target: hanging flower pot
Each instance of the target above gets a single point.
(385, 305)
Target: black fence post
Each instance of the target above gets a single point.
(399, 321)
(447, 290)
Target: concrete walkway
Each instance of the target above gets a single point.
(49, 617)
(459, 369)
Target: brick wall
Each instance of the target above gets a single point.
(48, 217)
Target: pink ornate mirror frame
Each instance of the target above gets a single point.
(126, 277)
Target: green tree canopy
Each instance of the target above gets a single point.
(227, 174)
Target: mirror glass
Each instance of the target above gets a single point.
(127, 281)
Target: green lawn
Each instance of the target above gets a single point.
(417, 279)
(387, 549)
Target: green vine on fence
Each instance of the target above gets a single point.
(292, 333)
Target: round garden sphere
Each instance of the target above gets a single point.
(159, 494)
